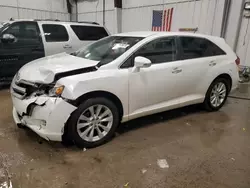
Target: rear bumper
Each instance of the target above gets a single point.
(47, 117)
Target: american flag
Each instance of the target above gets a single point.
(162, 20)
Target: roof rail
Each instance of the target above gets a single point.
(89, 22)
(55, 20)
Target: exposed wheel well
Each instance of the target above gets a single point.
(104, 94)
(227, 77)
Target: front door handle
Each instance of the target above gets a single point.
(176, 70)
(67, 46)
(212, 64)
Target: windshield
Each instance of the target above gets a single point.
(108, 49)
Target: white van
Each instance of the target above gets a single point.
(22, 41)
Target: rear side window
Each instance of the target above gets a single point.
(194, 47)
(89, 32)
(55, 33)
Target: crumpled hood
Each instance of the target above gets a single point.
(44, 70)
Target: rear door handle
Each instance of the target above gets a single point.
(212, 64)
(67, 46)
(176, 70)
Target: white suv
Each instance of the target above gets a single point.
(22, 41)
(119, 78)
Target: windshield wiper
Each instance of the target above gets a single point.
(100, 64)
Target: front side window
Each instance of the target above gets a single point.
(160, 50)
(23, 30)
(194, 47)
(108, 49)
(89, 33)
(55, 33)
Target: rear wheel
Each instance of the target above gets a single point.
(217, 94)
(94, 122)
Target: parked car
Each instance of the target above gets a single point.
(120, 78)
(22, 41)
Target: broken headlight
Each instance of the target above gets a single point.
(56, 91)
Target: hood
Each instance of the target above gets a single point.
(45, 69)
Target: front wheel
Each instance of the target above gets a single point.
(94, 122)
(217, 94)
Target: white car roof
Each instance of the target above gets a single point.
(160, 34)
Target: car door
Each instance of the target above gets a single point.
(25, 47)
(199, 56)
(56, 39)
(156, 88)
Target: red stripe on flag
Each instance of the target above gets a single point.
(167, 21)
(170, 20)
(164, 20)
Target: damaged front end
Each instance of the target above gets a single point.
(24, 89)
(40, 107)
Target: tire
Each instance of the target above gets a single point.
(78, 119)
(207, 104)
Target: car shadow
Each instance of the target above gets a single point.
(123, 128)
(157, 118)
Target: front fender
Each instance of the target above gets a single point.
(115, 82)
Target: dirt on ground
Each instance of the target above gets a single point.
(200, 149)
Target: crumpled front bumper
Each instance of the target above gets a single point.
(44, 115)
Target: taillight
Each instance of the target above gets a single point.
(237, 61)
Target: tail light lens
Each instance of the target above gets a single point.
(237, 61)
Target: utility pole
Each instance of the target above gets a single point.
(104, 2)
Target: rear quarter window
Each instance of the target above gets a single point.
(89, 33)
(55, 33)
(194, 47)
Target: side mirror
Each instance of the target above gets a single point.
(8, 38)
(142, 62)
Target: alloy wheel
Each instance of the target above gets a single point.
(218, 94)
(95, 123)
